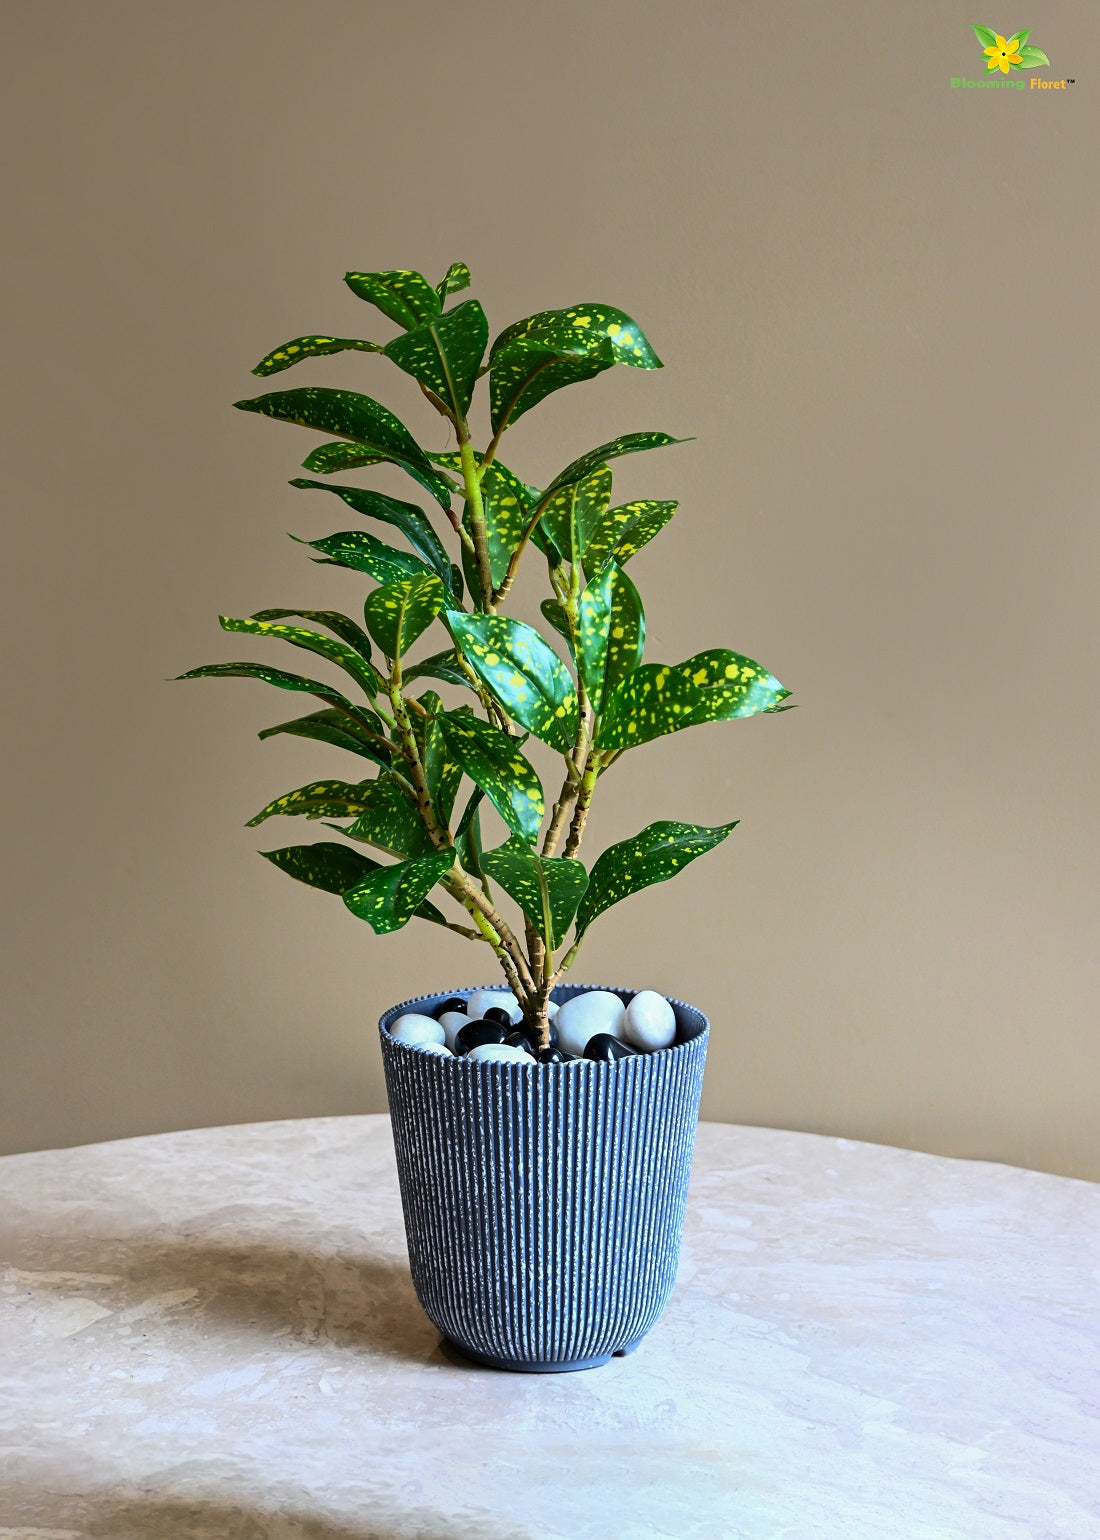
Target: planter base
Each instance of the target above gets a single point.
(490, 1362)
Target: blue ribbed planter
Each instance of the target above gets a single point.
(544, 1204)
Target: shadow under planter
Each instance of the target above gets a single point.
(544, 1203)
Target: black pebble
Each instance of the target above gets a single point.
(453, 1004)
(605, 1049)
(474, 1033)
(495, 1013)
(555, 1056)
(519, 1038)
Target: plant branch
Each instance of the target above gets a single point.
(476, 505)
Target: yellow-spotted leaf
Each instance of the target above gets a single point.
(522, 672)
(412, 521)
(283, 681)
(340, 625)
(441, 665)
(335, 868)
(339, 653)
(555, 614)
(349, 415)
(626, 444)
(654, 855)
(575, 510)
(509, 504)
(341, 731)
(591, 324)
(319, 799)
(610, 633)
(361, 552)
(547, 888)
(651, 701)
(326, 459)
(397, 613)
(311, 347)
(493, 762)
(622, 531)
(404, 296)
(387, 820)
(454, 280)
(442, 772)
(445, 353)
(389, 897)
(731, 686)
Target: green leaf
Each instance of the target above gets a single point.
(493, 761)
(335, 728)
(311, 347)
(441, 665)
(389, 897)
(506, 521)
(555, 614)
(648, 703)
(610, 632)
(319, 799)
(1032, 59)
(442, 772)
(338, 456)
(356, 549)
(731, 686)
(544, 352)
(522, 672)
(528, 369)
(387, 820)
(985, 37)
(398, 613)
(445, 353)
(412, 521)
(468, 835)
(349, 415)
(547, 888)
(623, 531)
(575, 510)
(1018, 39)
(654, 855)
(341, 625)
(628, 443)
(455, 279)
(281, 680)
(405, 297)
(335, 868)
(336, 652)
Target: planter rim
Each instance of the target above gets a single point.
(394, 1011)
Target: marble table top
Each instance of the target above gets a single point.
(213, 1334)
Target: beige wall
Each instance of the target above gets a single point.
(876, 300)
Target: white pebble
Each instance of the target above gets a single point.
(552, 1009)
(483, 1000)
(501, 1053)
(580, 1018)
(452, 1023)
(436, 1048)
(416, 1029)
(650, 1021)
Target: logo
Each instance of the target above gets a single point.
(1011, 53)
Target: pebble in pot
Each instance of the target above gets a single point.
(483, 1000)
(650, 1022)
(416, 1029)
(455, 1003)
(452, 1023)
(439, 1048)
(597, 1010)
(554, 1056)
(477, 1034)
(500, 1052)
(605, 1049)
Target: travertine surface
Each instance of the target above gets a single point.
(213, 1334)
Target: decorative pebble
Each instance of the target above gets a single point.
(604, 1048)
(452, 1023)
(477, 1033)
(597, 1010)
(482, 1000)
(435, 1048)
(554, 1056)
(498, 1013)
(552, 1008)
(650, 1021)
(519, 1037)
(453, 1004)
(499, 1053)
(414, 1028)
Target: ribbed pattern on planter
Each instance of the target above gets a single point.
(544, 1205)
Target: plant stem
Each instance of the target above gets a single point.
(475, 503)
(584, 802)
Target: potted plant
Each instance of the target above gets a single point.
(544, 1131)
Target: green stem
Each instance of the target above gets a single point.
(476, 505)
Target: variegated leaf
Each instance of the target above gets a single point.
(454, 280)
(651, 701)
(387, 820)
(610, 632)
(340, 625)
(654, 855)
(335, 868)
(555, 614)
(312, 641)
(356, 549)
(336, 728)
(622, 532)
(349, 415)
(318, 799)
(575, 510)
(282, 681)
(547, 888)
(442, 772)
(528, 369)
(445, 353)
(412, 521)
(731, 685)
(311, 347)
(404, 296)
(521, 672)
(442, 666)
(493, 761)
(397, 613)
(628, 443)
(389, 897)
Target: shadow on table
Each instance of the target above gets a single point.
(170, 1517)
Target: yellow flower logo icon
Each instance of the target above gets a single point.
(1009, 53)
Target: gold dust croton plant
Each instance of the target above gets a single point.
(590, 698)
